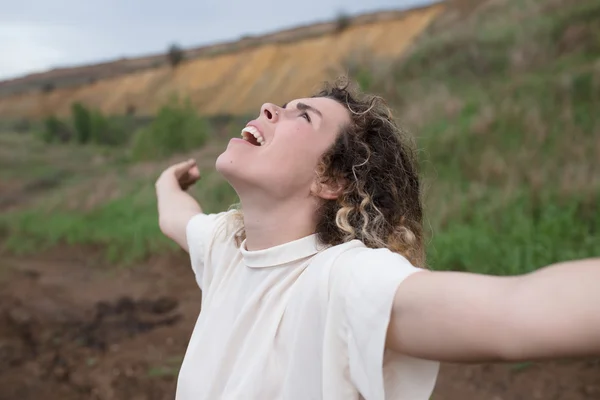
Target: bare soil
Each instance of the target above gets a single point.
(72, 327)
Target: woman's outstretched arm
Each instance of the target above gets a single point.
(462, 317)
(175, 206)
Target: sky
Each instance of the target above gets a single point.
(37, 35)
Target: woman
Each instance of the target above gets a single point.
(318, 289)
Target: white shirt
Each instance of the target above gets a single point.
(295, 321)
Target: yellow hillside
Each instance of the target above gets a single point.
(232, 83)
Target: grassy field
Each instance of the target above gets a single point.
(503, 107)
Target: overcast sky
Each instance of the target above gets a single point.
(36, 35)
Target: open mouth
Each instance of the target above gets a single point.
(253, 136)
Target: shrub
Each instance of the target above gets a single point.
(175, 55)
(82, 122)
(176, 128)
(91, 126)
(342, 22)
(110, 131)
(55, 130)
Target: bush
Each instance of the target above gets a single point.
(55, 130)
(342, 22)
(91, 126)
(110, 131)
(176, 128)
(175, 55)
(82, 122)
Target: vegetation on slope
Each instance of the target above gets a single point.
(504, 109)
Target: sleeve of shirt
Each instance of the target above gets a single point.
(200, 231)
(370, 279)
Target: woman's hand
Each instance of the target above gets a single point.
(185, 173)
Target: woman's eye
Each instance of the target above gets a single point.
(305, 115)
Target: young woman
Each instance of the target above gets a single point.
(316, 287)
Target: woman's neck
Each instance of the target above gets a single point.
(272, 223)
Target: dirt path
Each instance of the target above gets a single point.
(70, 329)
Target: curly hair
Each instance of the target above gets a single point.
(375, 162)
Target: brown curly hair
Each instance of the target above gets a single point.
(375, 162)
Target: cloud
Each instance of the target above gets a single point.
(27, 48)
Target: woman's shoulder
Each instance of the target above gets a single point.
(357, 262)
(355, 252)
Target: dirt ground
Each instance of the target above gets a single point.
(73, 328)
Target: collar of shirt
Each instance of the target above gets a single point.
(282, 254)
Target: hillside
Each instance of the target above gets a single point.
(501, 97)
(232, 78)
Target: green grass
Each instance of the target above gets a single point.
(511, 168)
(518, 236)
(126, 228)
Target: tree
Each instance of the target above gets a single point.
(342, 22)
(175, 55)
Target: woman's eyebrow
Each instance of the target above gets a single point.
(306, 107)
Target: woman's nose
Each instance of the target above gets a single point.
(270, 112)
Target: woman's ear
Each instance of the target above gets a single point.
(330, 190)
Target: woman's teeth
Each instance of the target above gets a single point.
(250, 130)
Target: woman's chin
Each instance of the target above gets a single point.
(232, 170)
